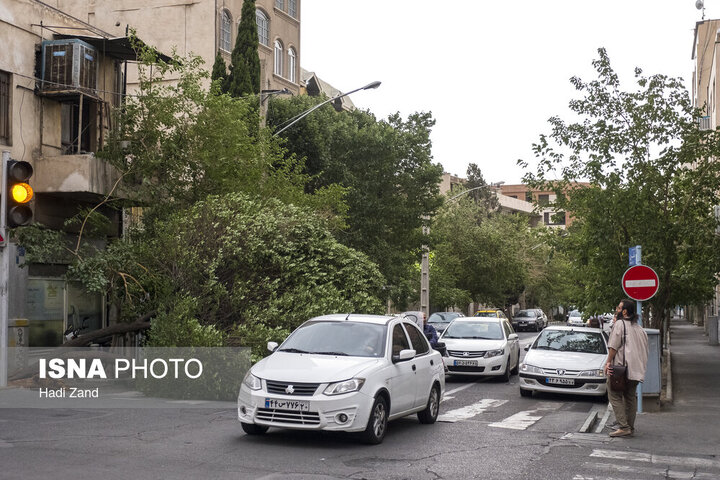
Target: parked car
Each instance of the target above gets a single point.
(575, 319)
(528, 319)
(490, 312)
(565, 360)
(440, 320)
(481, 346)
(542, 314)
(349, 373)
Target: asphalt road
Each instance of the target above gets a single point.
(486, 430)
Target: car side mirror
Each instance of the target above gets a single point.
(404, 356)
(440, 347)
(527, 347)
(513, 336)
(272, 346)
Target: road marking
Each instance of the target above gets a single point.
(659, 472)
(459, 389)
(656, 459)
(471, 410)
(523, 420)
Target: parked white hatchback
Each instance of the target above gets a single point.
(565, 360)
(349, 373)
(481, 346)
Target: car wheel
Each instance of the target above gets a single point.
(506, 376)
(430, 414)
(516, 370)
(377, 423)
(253, 429)
(525, 393)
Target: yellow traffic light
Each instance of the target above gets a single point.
(21, 192)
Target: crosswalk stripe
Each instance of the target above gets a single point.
(523, 420)
(656, 459)
(659, 472)
(470, 411)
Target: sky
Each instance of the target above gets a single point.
(490, 72)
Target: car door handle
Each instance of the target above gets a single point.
(414, 367)
(432, 362)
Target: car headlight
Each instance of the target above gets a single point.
(530, 369)
(252, 382)
(591, 373)
(346, 386)
(494, 353)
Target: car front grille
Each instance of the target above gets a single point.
(565, 373)
(453, 368)
(462, 354)
(298, 389)
(288, 416)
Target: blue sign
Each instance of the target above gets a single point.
(632, 260)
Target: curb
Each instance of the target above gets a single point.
(668, 378)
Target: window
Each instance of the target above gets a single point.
(5, 108)
(554, 218)
(280, 4)
(292, 8)
(292, 65)
(399, 340)
(528, 197)
(418, 340)
(225, 31)
(278, 58)
(263, 27)
(544, 199)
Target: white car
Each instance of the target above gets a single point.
(346, 372)
(575, 319)
(565, 360)
(481, 346)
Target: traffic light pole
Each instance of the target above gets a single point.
(4, 274)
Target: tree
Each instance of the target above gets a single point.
(654, 179)
(219, 70)
(484, 193)
(244, 76)
(387, 169)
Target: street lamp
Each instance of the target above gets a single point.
(289, 123)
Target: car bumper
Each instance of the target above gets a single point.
(484, 366)
(529, 324)
(581, 386)
(575, 323)
(324, 412)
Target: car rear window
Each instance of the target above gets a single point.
(487, 313)
(525, 313)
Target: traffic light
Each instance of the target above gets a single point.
(20, 193)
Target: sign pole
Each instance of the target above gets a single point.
(638, 253)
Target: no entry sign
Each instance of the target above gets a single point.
(640, 282)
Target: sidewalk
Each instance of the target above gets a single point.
(691, 424)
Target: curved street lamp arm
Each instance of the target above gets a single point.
(304, 114)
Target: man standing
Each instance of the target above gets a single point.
(628, 346)
(430, 332)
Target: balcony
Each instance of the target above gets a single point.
(83, 175)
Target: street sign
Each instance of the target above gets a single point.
(632, 258)
(640, 282)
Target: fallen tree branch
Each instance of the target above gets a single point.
(142, 323)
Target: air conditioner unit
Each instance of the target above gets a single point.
(69, 65)
(704, 123)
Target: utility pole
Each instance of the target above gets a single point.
(4, 273)
(425, 275)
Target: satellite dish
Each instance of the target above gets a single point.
(699, 4)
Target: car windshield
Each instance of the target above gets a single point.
(525, 313)
(444, 317)
(571, 341)
(354, 339)
(474, 330)
(575, 313)
(486, 313)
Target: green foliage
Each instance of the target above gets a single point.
(177, 325)
(219, 70)
(653, 179)
(387, 169)
(244, 76)
(247, 261)
(257, 336)
(484, 193)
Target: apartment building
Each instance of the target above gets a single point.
(544, 199)
(705, 89)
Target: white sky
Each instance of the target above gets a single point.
(491, 72)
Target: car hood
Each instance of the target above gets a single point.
(565, 360)
(474, 345)
(311, 368)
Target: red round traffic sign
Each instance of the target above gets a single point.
(640, 282)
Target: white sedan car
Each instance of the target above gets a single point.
(481, 346)
(565, 360)
(349, 373)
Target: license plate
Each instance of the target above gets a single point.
(560, 381)
(465, 363)
(296, 405)
(522, 324)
